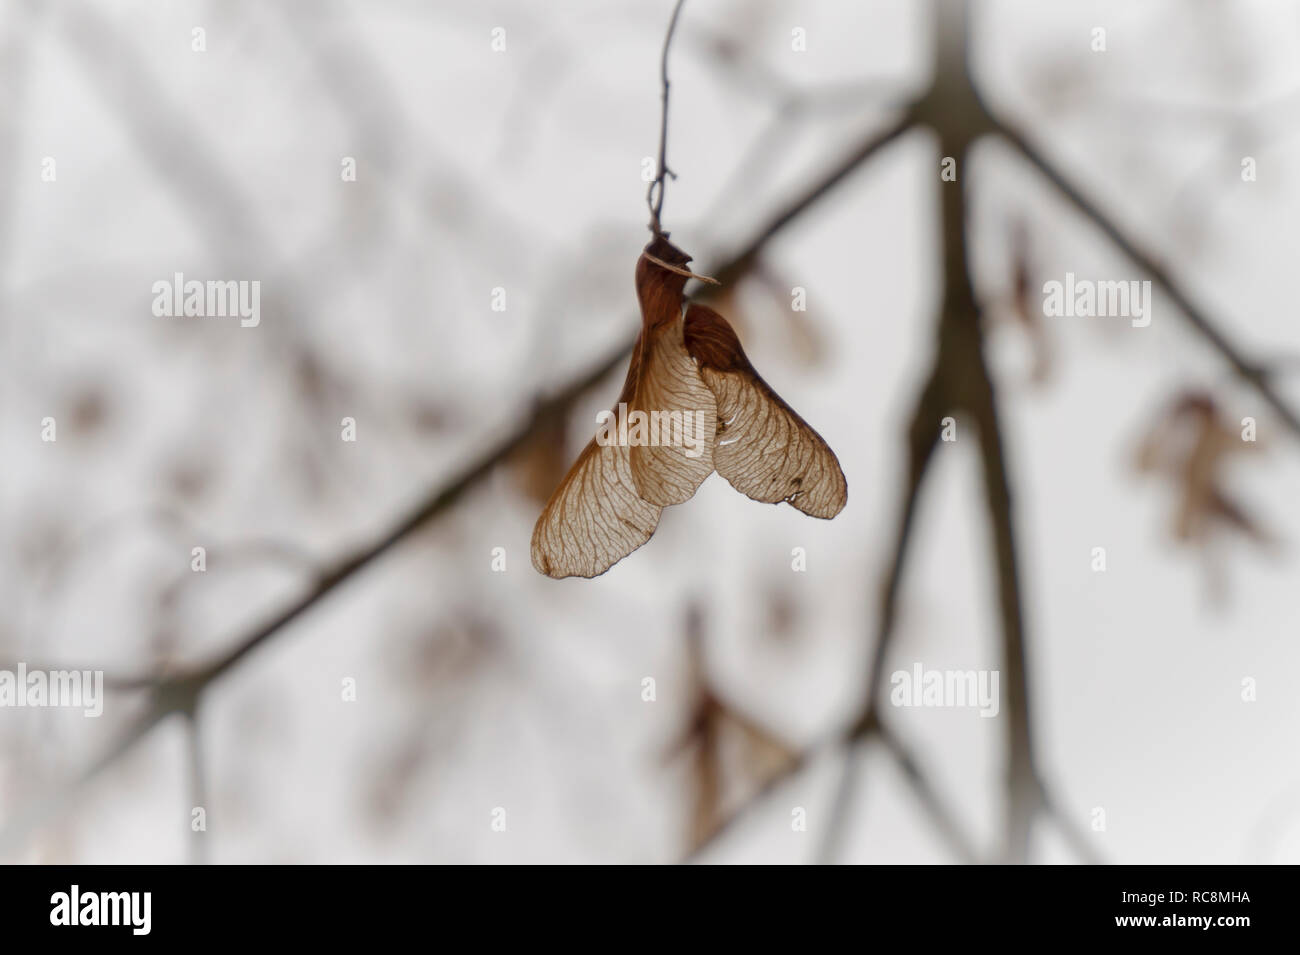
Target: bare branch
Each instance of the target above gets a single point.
(1209, 329)
(941, 816)
(179, 692)
(198, 788)
(923, 433)
(1023, 792)
(654, 196)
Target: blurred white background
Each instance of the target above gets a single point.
(521, 169)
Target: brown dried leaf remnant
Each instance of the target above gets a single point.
(1190, 445)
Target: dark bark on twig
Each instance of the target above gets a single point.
(655, 193)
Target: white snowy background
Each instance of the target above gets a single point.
(521, 169)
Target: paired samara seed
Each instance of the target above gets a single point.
(688, 373)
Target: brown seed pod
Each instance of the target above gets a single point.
(690, 381)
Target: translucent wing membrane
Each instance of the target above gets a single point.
(595, 518)
(673, 454)
(692, 403)
(764, 449)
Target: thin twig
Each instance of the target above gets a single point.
(654, 196)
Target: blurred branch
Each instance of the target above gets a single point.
(161, 131)
(1023, 789)
(959, 381)
(355, 82)
(101, 534)
(1249, 133)
(198, 790)
(56, 799)
(922, 435)
(1027, 795)
(180, 692)
(941, 816)
(922, 438)
(1249, 370)
(876, 140)
(802, 759)
(1074, 836)
(749, 76)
